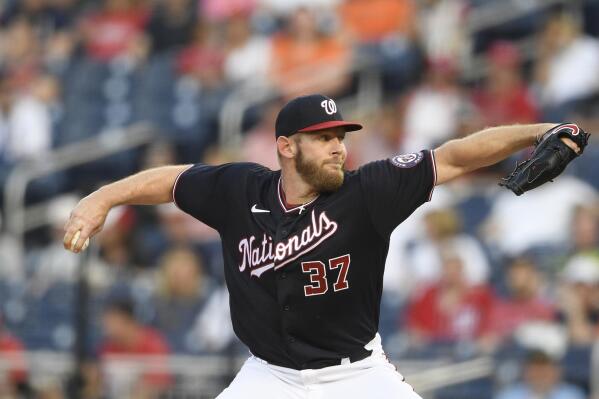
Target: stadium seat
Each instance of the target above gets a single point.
(476, 389)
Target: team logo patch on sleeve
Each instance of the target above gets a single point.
(407, 160)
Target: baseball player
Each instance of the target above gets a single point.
(304, 247)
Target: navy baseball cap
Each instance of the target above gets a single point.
(309, 114)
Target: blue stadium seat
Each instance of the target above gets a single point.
(85, 77)
(473, 211)
(585, 167)
(576, 366)
(476, 389)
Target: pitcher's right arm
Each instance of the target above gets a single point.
(150, 187)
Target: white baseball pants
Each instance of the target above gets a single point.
(373, 377)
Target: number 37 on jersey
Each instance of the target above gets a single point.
(319, 281)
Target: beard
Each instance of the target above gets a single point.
(318, 177)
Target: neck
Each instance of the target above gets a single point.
(296, 190)
(131, 338)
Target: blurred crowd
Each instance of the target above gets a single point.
(478, 271)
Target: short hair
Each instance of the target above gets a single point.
(538, 356)
(121, 306)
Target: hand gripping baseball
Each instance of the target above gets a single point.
(549, 159)
(86, 220)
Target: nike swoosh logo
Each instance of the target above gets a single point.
(258, 210)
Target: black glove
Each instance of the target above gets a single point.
(549, 159)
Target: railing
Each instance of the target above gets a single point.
(500, 12)
(594, 383)
(21, 218)
(206, 376)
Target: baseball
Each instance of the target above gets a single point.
(76, 238)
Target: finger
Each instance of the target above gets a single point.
(571, 144)
(80, 239)
(74, 240)
(69, 234)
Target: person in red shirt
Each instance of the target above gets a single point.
(126, 343)
(116, 30)
(504, 98)
(203, 58)
(524, 302)
(13, 368)
(451, 309)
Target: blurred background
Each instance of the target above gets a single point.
(487, 295)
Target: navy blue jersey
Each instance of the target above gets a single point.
(305, 283)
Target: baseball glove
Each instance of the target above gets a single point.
(549, 159)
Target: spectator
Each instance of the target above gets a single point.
(13, 367)
(51, 264)
(220, 11)
(566, 70)
(370, 21)
(183, 289)
(439, 95)
(171, 25)
(5, 108)
(579, 298)
(248, 55)
(116, 30)
(450, 310)
(504, 99)
(584, 228)
(305, 60)
(47, 15)
(203, 59)
(20, 53)
(541, 378)
(442, 27)
(443, 230)
(397, 278)
(509, 231)
(524, 301)
(258, 144)
(126, 339)
(30, 121)
(213, 329)
(384, 35)
(379, 141)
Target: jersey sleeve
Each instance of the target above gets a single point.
(393, 188)
(205, 191)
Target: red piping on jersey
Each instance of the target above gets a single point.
(175, 185)
(434, 164)
(288, 207)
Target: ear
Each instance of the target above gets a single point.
(286, 147)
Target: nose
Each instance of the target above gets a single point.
(338, 146)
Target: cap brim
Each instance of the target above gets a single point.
(349, 126)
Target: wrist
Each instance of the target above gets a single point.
(104, 197)
(544, 128)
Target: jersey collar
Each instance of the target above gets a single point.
(281, 195)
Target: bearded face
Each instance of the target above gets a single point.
(322, 176)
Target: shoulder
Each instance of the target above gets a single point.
(517, 391)
(401, 161)
(233, 168)
(152, 340)
(568, 391)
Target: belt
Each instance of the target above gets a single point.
(322, 363)
(319, 363)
